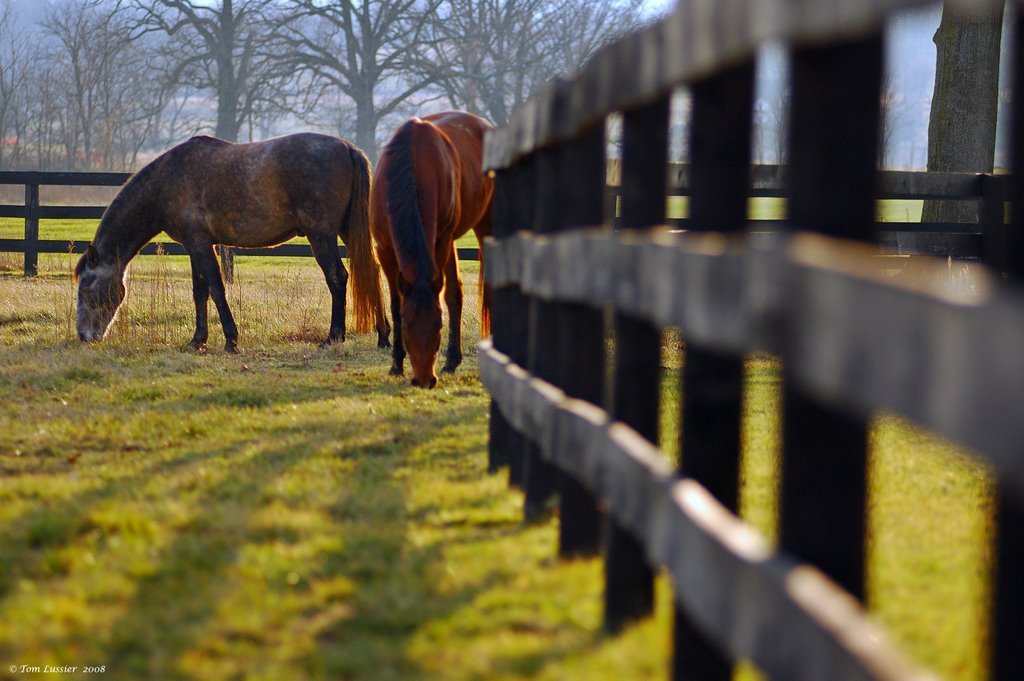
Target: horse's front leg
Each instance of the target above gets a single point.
(325, 250)
(201, 296)
(453, 301)
(202, 255)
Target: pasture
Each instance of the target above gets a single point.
(293, 512)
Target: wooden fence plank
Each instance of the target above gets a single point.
(63, 178)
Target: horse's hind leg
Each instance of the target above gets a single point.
(201, 296)
(202, 255)
(325, 250)
(398, 350)
(383, 328)
(453, 301)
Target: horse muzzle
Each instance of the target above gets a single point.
(429, 384)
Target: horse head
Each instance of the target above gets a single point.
(101, 290)
(421, 330)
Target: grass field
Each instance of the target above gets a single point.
(295, 513)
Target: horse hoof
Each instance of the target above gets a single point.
(383, 343)
(396, 371)
(231, 348)
(450, 367)
(197, 346)
(331, 341)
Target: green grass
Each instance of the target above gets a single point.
(766, 208)
(295, 513)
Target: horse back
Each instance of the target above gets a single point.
(261, 193)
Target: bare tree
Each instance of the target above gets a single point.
(490, 56)
(365, 49)
(14, 71)
(223, 47)
(107, 91)
(576, 29)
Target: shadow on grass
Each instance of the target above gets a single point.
(176, 610)
(185, 618)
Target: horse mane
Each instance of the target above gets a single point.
(407, 232)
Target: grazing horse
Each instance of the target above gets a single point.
(429, 190)
(207, 191)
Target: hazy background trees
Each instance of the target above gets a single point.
(365, 50)
(490, 56)
(105, 84)
(101, 84)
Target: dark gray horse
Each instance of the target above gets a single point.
(207, 191)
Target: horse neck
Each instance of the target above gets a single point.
(125, 228)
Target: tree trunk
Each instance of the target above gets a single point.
(962, 124)
(366, 127)
(227, 129)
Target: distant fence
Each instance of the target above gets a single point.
(905, 238)
(32, 212)
(852, 341)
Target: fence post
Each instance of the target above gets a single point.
(579, 329)
(629, 579)
(833, 173)
(712, 382)
(31, 229)
(227, 263)
(1007, 618)
(508, 320)
(991, 222)
(498, 446)
(521, 186)
(540, 478)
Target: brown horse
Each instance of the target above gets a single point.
(207, 191)
(428, 190)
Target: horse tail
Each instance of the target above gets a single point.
(363, 265)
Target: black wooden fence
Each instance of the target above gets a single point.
(32, 212)
(852, 342)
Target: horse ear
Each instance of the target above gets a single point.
(88, 259)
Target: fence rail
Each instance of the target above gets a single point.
(852, 340)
